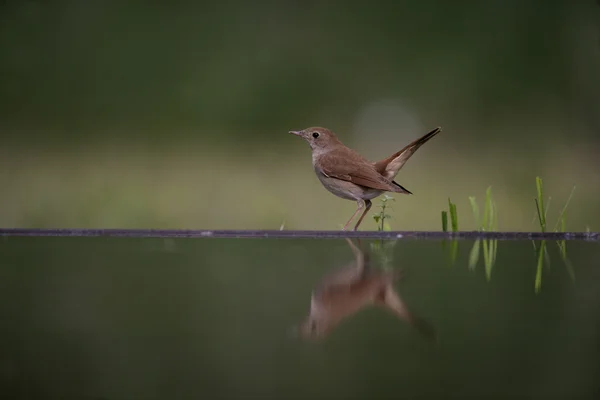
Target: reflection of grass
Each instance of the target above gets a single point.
(542, 252)
(488, 223)
(384, 250)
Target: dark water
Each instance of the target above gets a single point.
(118, 318)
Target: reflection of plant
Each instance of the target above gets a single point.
(488, 223)
(384, 250)
(542, 251)
(454, 224)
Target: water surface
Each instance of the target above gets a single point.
(151, 318)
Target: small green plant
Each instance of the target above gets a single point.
(542, 252)
(384, 250)
(445, 221)
(454, 226)
(382, 217)
(488, 223)
(453, 217)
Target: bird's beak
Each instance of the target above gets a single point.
(297, 133)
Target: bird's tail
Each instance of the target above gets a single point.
(390, 166)
(401, 189)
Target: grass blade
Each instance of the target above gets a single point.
(540, 217)
(496, 225)
(540, 203)
(488, 210)
(561, 216)
(453, 216)
(445, 221)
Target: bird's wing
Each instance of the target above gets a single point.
(351, 167)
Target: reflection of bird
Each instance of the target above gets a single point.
(349, 175)
(351, 288)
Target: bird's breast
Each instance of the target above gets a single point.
(344, 189)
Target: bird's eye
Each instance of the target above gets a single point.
(315, 134)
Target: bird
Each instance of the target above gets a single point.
(351, 288)
(348, 175)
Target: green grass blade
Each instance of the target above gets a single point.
(561, 216)
(492, 218)
(454, 219)
(546, 208)
(486, 214)
(540, 215)
(453, 216)
(445, 221)
(488, 209)
(540, 203)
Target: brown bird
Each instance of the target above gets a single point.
(352, 288)
(349, 175)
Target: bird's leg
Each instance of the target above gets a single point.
(358, 253)
(368, 207)
(361, 205)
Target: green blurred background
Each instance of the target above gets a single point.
(175, 114)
